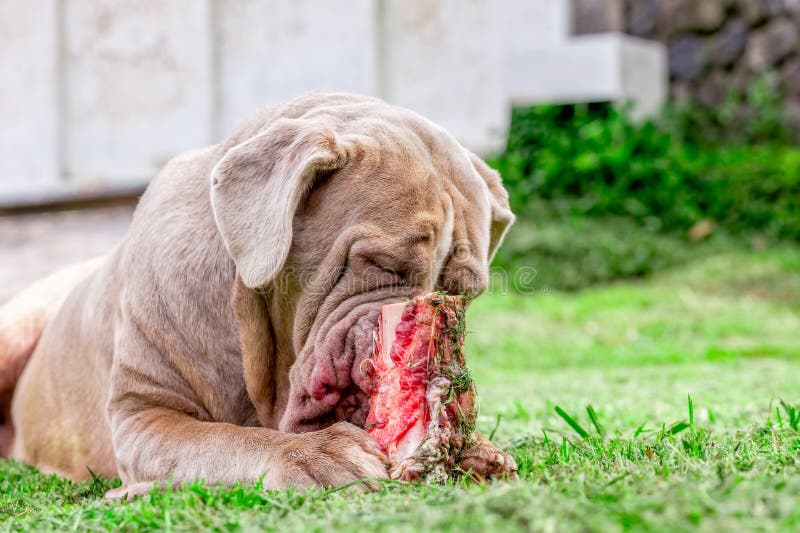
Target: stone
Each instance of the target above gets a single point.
(713, 89)
(740, 76)
(753, 11)
(730, 42)
(681, 91)
(679, 16)
(791, 116)
(771, 44)
(790, 77)
(759, 11)
(642, 17)
(686, 58)
(597, 16)
(774, 8)
(702, 229)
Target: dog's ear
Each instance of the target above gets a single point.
(501, 215)
(257, 187)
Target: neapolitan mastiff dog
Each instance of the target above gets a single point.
(222, 338)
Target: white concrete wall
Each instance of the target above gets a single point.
(270, 51)
(29, 97)
(443, 61)
(98, 94)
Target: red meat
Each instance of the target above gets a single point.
(422, 402)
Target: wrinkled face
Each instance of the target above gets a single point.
(384, 228)
(333, 205)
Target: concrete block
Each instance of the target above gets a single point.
(643, 74)
(602, 67)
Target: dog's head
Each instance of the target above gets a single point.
(333, 205)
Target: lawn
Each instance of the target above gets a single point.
(684, 373)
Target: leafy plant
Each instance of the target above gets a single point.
(600, 197)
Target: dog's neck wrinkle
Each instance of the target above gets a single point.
(280, 312)
(260, 351)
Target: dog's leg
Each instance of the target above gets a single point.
(161, 433)
(157, 446)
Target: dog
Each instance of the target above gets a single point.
(222, 339)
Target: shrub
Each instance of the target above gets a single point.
(754, 189)
(593, 161)
(600, 197)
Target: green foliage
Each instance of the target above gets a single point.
(754, 189)
(601, 197)
(593, 161)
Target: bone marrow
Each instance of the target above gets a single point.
(422, 398)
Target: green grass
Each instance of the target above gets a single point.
(684, 373)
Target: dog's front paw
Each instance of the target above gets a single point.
(483, 461)
(332, 457)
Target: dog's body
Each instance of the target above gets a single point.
(221, 340)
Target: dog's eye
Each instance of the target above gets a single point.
(390, 270)
(384, 267)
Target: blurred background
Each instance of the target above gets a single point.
(633, 135)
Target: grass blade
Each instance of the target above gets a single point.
(496, 425)
(793, 414)
(677, 427)
(573, 424)
(595, 422)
